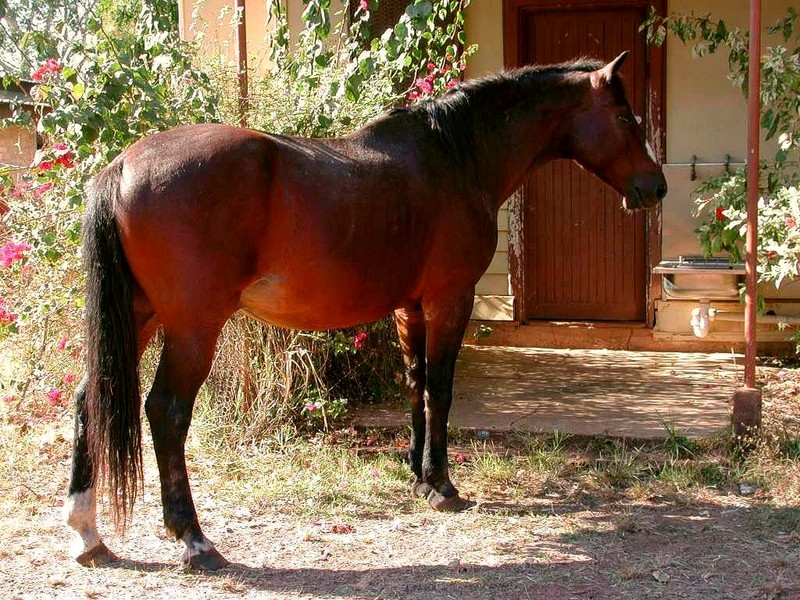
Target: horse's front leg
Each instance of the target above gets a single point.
(185, 362)
(446, 321)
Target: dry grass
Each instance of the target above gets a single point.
(330, 516)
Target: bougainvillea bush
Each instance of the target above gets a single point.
(95, 94)
(129, 76)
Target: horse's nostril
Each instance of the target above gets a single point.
(661, 190)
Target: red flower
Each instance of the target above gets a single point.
(431, 67)
(460, 458)
(359, 340)
(11, 252)
(54, 397)
(45, 165)
(451, 84)
(66, 160)
(790, 223)
(719, 213)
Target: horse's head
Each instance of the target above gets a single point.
(606, 138)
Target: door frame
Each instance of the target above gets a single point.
(655, 82)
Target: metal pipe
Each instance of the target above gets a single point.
(751, 241)
(706, 164)
(241, 60)
(737, 317)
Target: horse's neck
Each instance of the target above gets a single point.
(525, 133)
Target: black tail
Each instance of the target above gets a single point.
(112, 396)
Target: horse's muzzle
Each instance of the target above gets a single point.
(646, 192)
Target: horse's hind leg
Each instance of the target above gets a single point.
(80, 508)
(410, 324)
(185, 363)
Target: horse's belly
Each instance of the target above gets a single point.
(273, 300)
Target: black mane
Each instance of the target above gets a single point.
(450, 115)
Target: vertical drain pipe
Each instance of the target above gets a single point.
(747, 400)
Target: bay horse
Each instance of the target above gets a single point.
(190, 225)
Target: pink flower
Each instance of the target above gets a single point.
(59, 146)
(54, 397)
(375, 472)
(49, 67)
(10, 399)
(364, 5)
(425, 86)
(69, 378)
(62, 344)
(790, 223)
(20, 189)
(431, 67)
(359, 340)
(460, 458)
(343, 485)
(451, 84)
(43, 189)
(11, 252)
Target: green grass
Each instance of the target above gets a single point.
(365, 472)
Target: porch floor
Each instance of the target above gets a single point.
(585, 392)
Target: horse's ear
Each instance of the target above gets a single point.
(606, 74)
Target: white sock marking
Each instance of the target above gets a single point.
(80, 513)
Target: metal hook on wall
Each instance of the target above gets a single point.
(693, 165)
(727, 164)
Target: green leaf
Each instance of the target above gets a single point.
(77, 91)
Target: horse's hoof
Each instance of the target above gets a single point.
(448, 503)
(210, 560)
(420, 489)
(99, 556)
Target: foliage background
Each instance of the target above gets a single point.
(721, 202)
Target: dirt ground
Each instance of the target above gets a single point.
(563, 544)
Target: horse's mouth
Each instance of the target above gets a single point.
(636, 200)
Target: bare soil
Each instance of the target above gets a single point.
(566, 543)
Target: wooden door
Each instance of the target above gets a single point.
(585, 258)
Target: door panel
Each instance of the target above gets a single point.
(585, 258)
